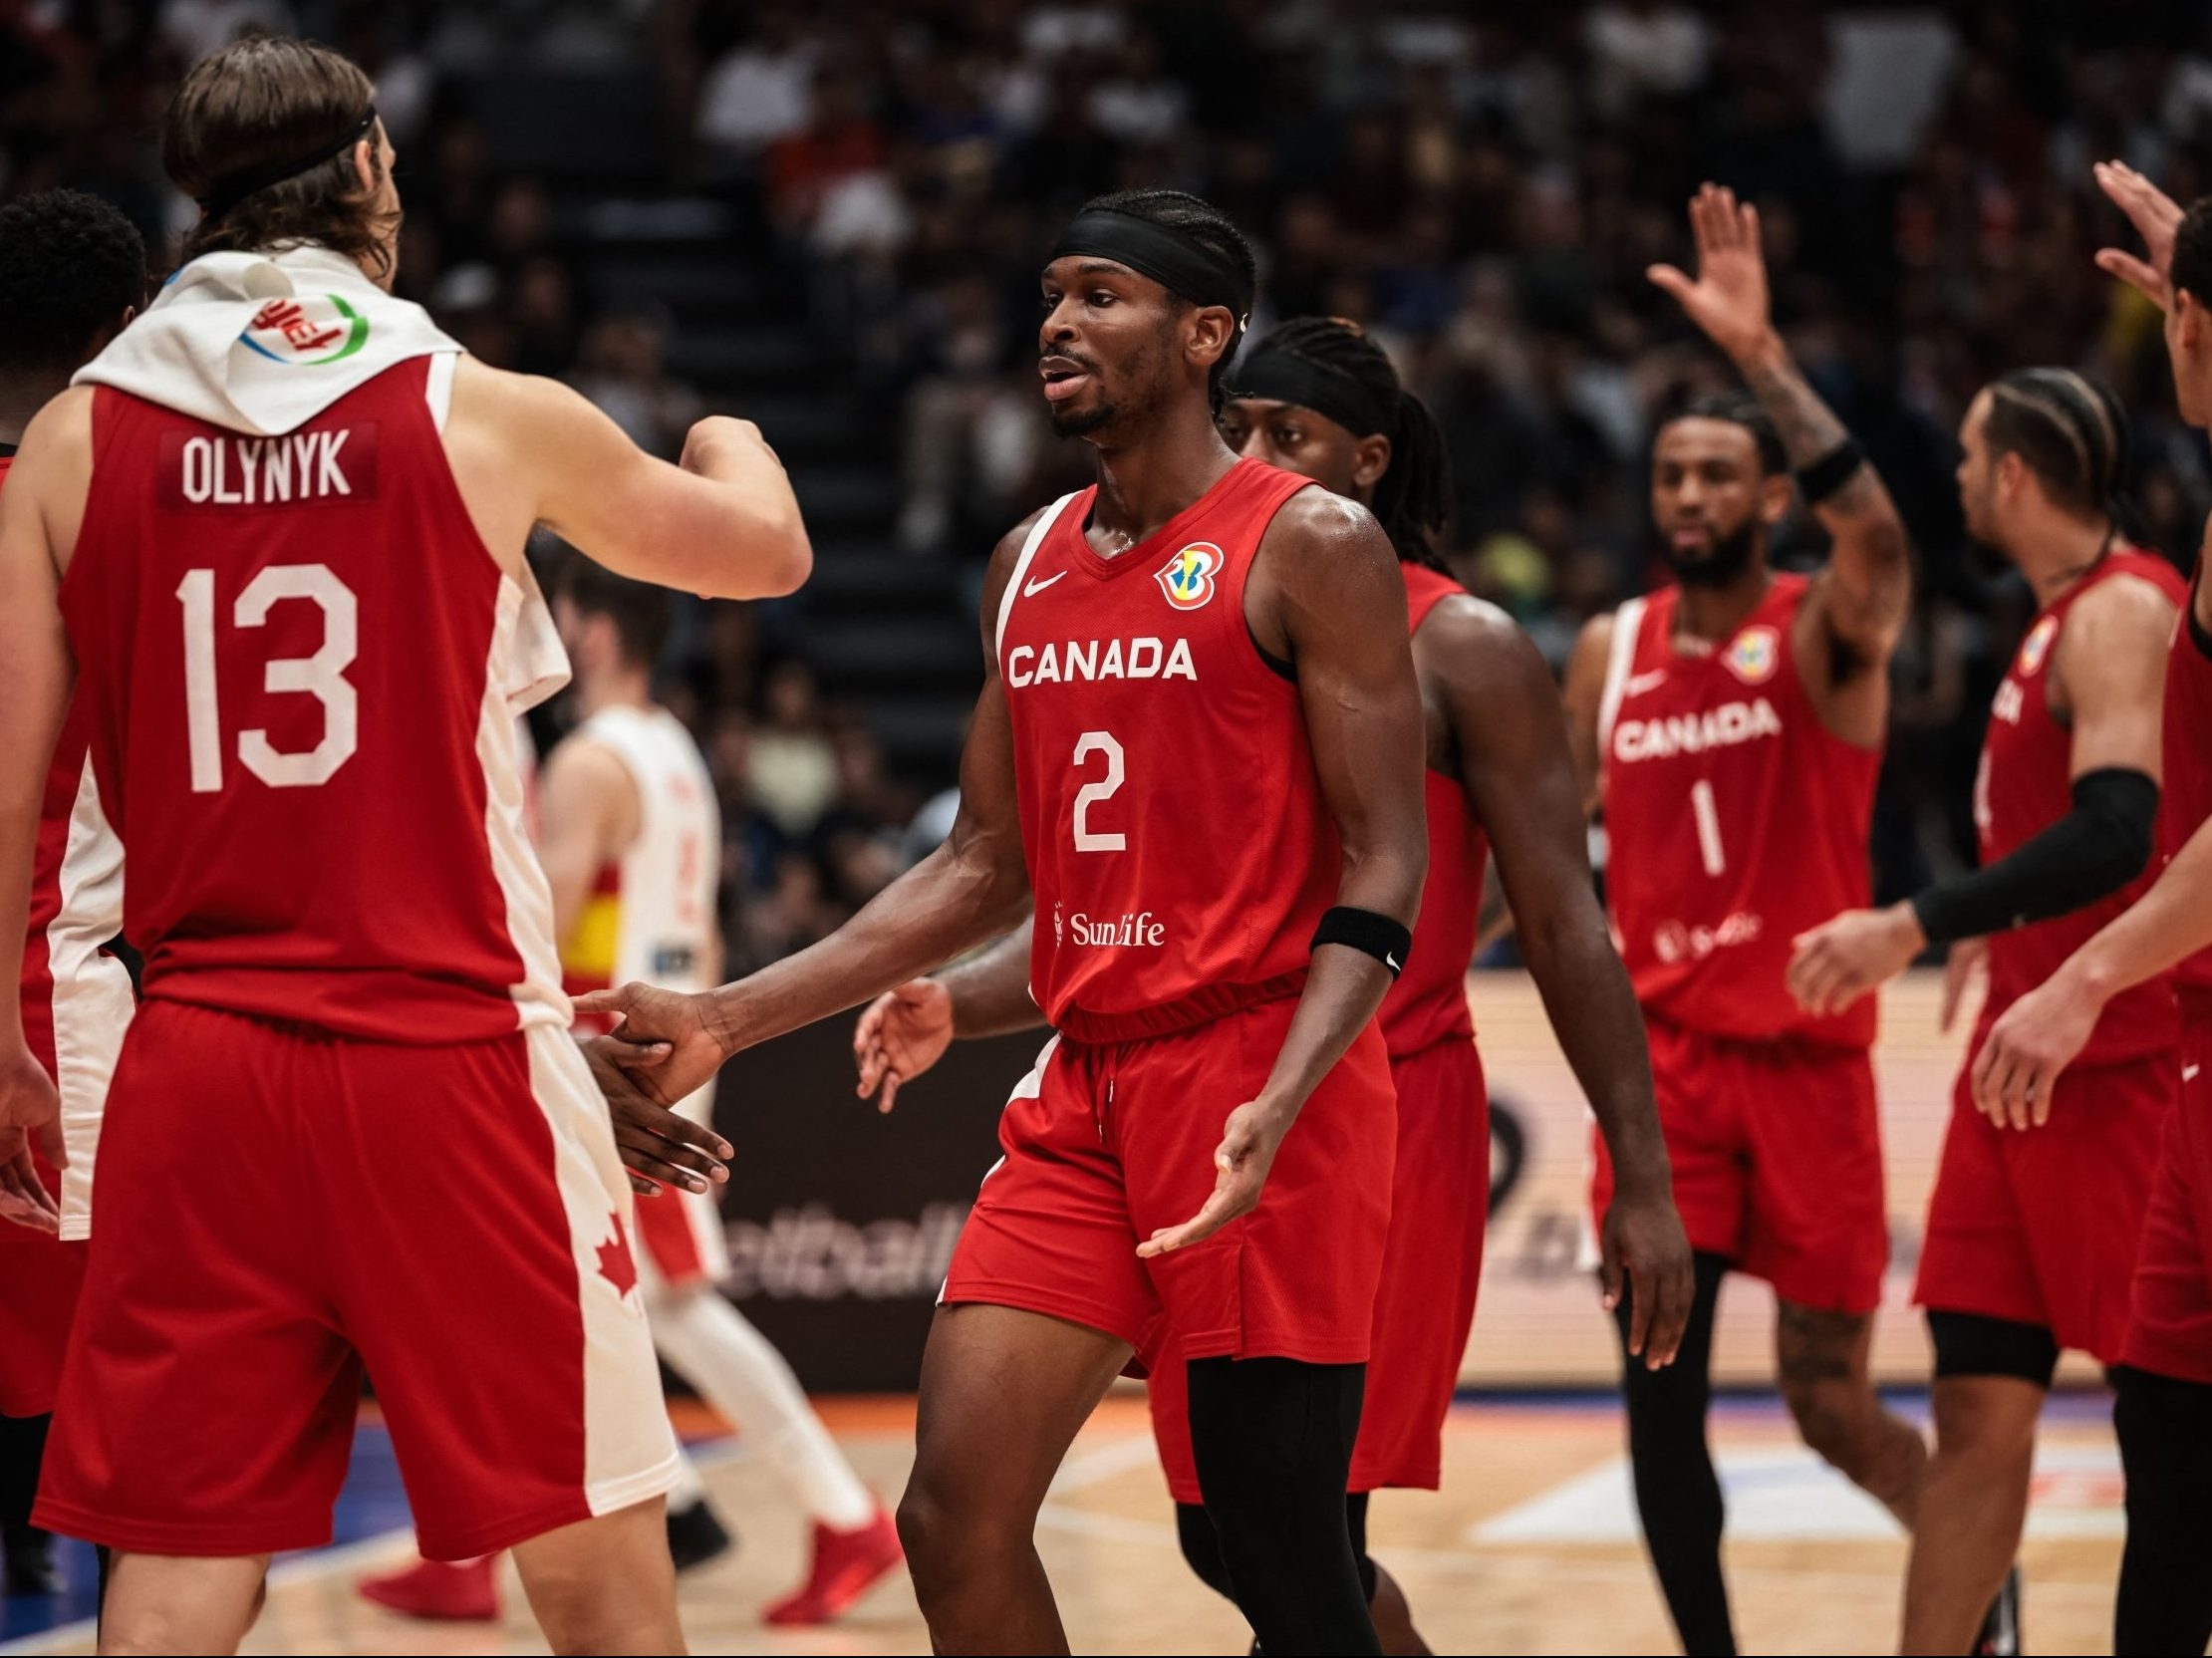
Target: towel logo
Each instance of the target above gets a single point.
(306, 331)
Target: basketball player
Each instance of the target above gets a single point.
(348, 1127)
(72, 272)
(1200, 739)
(2031, 1240)
(1730, 727)
(630, 840)
(1319, 398)
(2164, 1410)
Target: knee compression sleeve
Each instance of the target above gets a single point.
(2166, 1441)
(1678, 1493)
(1273, 1440)
(1201, 1549)
(1973, 1344)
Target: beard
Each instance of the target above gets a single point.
(1730, 557)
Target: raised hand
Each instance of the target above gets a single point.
(664, 1042)
(2156, 217)
(902, 1033)
(1249, 1140)
(1728, 298)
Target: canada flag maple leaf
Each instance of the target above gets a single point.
(614, 1263)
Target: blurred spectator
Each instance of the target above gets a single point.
(793, 775)
(621, 366)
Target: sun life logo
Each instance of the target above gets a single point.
(1187, 578)
(1752, 654)
(306, 332)
(2037, 645)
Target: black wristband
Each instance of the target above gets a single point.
(2094, 851)
(1824, 478)
(1388, 942)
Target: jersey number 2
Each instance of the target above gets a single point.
(1090, 794)
(322, 675)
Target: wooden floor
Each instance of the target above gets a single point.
(1529, 1548)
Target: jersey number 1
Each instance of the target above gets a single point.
(1709, 827)
(322, 675)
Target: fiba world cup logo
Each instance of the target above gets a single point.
(1187, 578)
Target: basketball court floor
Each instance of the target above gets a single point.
(1529, 1548)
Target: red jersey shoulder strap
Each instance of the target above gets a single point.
(1631, 623)
(1425, 590)
(1037, 533)
(2127, 560)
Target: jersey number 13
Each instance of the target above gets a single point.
(321, 676)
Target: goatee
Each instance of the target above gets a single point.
(1073, 422)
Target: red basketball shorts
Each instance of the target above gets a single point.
(1107, 1143)
(1778, 1160)
(681, 1233)
(40, 1277)
(2169, 1328)
(2040, 1226)
(1424, 1304)
(280, 1208)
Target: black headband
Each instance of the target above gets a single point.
(226, 195)
(1176, 262)
(1285, 377)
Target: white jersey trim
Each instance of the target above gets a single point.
(1029, 548)
(93, 1000)
(437, 388)
(528, 895)
(1628, 625)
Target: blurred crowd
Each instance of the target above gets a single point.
(1482, 187)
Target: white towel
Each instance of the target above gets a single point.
(262, 343)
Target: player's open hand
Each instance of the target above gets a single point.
(1728, 299)
(2156, 217)
(30, 1110)
(902, 1033)
(1643, 1247)
(1831, 965)
(663, 1040)
(2029, 1046)
(1249, 1140)
(658, 1148)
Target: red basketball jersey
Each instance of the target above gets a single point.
(1734, 819)
(1428, 1003)
(2025, 785)
(2185, 798)
(1172, 820)
(302, 667)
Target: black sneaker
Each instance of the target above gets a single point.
(696, 1537)
(1999, 1636)
(31, 1568)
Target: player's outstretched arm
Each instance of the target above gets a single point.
(2111, 661)
(968, 890)
(1865, 592)
(1521, 779)
(722, 523)
(906, 1031)
(39, 514)
(1325, 593)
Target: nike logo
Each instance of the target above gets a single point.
(1035, 587)
(2190, 1072)
(1638, 684)
(1391, 962)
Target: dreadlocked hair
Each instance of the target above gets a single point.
(1211, 229)
(1413, 497)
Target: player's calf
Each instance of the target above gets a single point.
(164, 1603)
(1821, 1359)
(605, 1584)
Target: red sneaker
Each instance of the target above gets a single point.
(846, 1565)
(459, 1591)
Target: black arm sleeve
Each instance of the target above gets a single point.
(2094, 849)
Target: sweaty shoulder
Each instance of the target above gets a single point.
(1473, 644)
